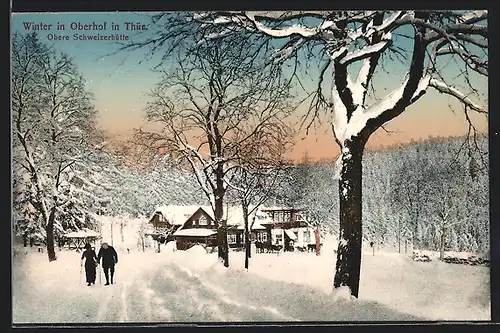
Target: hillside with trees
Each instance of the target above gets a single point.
(426, 194)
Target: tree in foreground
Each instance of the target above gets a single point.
(53, 126)
(352, 48)
(214, 106)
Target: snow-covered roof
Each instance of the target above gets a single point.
(177, 215)
(195, 232)
(82, 234)
(281, 208)
(290, 234)
(235, 217)
(256, 226)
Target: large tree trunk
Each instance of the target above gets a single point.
(317, 241)
(348, 266)
(247, 235)
(49, 229)
(223, 250)
(416, 245)
(442, 241)
(249, 241)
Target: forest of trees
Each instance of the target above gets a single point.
(426, 187)
(423, 182)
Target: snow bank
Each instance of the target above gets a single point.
(237, 295)
(464, 258)
(343, 293)
(194, 286)
(195, 259)
(196, 251)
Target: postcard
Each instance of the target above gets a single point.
(257, 167)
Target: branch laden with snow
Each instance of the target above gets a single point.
(449, 90)
(353, 37)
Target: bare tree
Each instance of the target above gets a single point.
(53, 122)
(215, 105)
(343, 39)
(253, 188)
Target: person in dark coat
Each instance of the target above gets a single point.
(90, 264)
(109, 259)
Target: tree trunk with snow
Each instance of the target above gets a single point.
(442, 240)
(223, 247)
(348, 266)
(51, 253)
(247, 235)
(318, 241)
(249, 241)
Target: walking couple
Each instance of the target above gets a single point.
(109, 259)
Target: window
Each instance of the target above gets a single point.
(286, 216)
(262, 237)
(231, 238)
(279, 239)
(307, 236)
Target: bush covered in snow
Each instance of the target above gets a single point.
(421, 256)
(471, 260)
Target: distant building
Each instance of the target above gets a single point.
(288, 227)
(170, 217)
(200, 228)
(194, 225)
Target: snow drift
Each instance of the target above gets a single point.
(187, 286)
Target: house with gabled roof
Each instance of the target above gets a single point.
(200, 228)
(169, 217)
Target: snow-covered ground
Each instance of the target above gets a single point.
(191, 285)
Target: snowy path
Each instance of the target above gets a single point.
(174, 289)
(187, 287)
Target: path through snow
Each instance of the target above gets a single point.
(192, 286)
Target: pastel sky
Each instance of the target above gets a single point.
(121, 81)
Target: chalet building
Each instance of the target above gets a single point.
(284, 226)
(171, 216)
(200, 228)
(288, 227)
